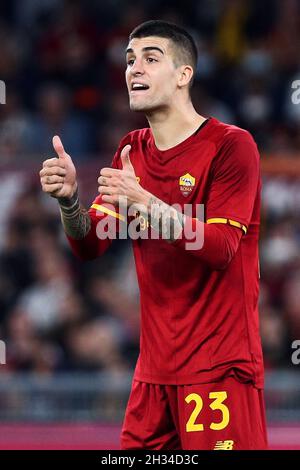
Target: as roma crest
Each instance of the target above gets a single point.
(186, 184)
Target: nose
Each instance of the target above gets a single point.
(137, 68)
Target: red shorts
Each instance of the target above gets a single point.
(226, 415)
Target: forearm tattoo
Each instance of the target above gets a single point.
(75, 217)
(165, 219)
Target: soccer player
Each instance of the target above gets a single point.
(198, 382)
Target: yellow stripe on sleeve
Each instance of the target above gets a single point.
(220, 220)
(107, 211)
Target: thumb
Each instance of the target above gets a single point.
(58, 147)
(126, 163)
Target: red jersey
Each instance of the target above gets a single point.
(199, 322)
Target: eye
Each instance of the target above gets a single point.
(130, 62)
(151, 60)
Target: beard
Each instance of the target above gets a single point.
(145, 106)
(139, 106)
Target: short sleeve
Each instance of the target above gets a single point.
(235, 178)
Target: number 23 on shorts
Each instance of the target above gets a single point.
(217, 403)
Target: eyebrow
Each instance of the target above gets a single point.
(145, 49)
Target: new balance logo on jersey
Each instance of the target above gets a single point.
(224, 445)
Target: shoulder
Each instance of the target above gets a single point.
(231, 139)
(235, 149)
(136, 137)
(228, 134)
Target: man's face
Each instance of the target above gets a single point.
(150, 63)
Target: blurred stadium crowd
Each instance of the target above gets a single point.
(63, 65)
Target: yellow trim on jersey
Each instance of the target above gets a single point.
(219, 220)
(107, 211)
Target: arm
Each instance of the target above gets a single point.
(58, 179)
(75, 218)
(80, 229)
(231, 199)
(228, 209)
(221, 242)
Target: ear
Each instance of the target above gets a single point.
(185, 75)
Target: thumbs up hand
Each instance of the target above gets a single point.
(116, 185)
(59, 148)
(58, 175)
(125, 159)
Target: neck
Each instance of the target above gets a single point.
(172, 126)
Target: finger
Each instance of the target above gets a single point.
(105, 190)
(55, 170)
(126, 163)
(53, 179)
(109, 199)
(103, 181)
(108, 172)
(53, 162)
(52, 188)
(58, 146)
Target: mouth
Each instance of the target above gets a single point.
(137, 88)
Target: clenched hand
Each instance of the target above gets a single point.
(58, 175)
(115, 184)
